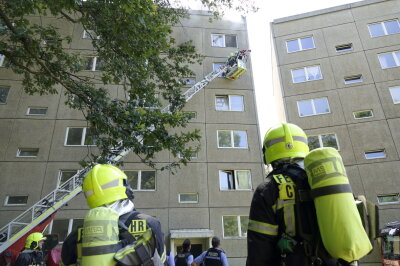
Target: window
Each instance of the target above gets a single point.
(344, 47)
(79, 136)
(389, 60)
(36, 111)
(89, 34)
(313, 107)
(300, 44)
(375, 154)
(142, 180)
(234, 179)
(188, 81)
(229, 103)
(27, 152)
(353, 79)
(188, 198)
(323, 140)
(63, 227)
(384, 28)
(363, 114)
(15, 200)
(64, 175)
(235, 225)
(395, 93)
(217, 66)
(2, 60)
(3, 94)
(223, 40)
(232, 139)
(388, 198)
(192, 114)
(93, 63)
(192, 156)
(306, 74)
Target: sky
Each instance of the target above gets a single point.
(260, 44)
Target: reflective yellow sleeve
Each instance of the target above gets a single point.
(263, 228)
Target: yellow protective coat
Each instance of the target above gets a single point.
(339, 222)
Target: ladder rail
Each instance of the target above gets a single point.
(64, 193)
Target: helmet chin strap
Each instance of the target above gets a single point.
(122, 206)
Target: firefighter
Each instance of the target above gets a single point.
(275, 229)
(113, 231)
(32, 255)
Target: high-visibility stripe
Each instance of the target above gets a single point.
(100, 250)
(145, 238)
(111, 184)
(163, 256)
(271, 142)
(263, 228)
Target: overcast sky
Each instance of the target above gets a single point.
(260, 44)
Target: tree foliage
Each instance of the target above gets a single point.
(132, 39)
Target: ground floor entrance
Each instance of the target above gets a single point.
(200, 240)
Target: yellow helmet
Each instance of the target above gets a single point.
(32, 241)
(284, 140)
(104, 184)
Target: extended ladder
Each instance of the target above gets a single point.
(45, 207)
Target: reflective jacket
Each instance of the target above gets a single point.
(30, 257)
(273, 214)
(70, 250)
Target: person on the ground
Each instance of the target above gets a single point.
(32, 255)
(214, 256)
(184, 258)
(113, 232)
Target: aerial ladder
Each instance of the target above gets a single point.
(34, 219)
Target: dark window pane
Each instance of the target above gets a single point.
(28, 152)
(74, 136)
(244, 221)
(224, 139)
(148, 180)
(132, 178)
(4, 94)
(60, 227)
(76, 224)
(230, 41)
(66, 175)
(313, 142)
(89, 138)
(188, 197)
(17, 200)
(37, 111)
(99, 64)
(230, 226)
(329, 140)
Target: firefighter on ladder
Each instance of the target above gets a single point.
(32, 255)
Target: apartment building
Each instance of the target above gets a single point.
(339, 78)
(42, 141)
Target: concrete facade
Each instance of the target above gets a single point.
(34, 177)
(351, 25)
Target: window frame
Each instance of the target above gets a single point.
(69, 229)
(321, 144)
(382, 23)
(229, 103)
(87, 35)
(235, 181)
(83, 138)
(396, 60)
(391, 94)
(188, 202)
(354, 114)
(375, 151)
(214, 64)
(33, 107)
(193, 156)
(300, 45)
(390, 202)
(139, 180)
(241, 234)
(188, 84)
(27, 149)
(94, 64)
(306, 74)
(224, 40)
(232, 139)
(313, 107)
(15, 204)
(59, 175)
(353, 79)
(8, 93)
